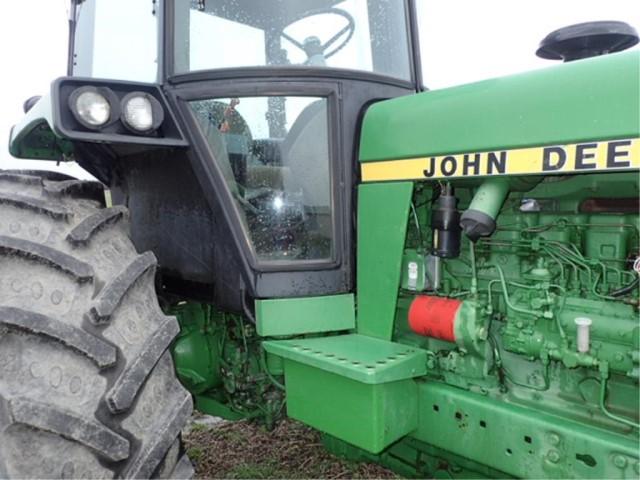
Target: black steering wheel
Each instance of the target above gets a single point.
(312, 45)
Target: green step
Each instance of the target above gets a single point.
(358, 357)
(356, 388)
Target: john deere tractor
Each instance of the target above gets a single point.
(287, 224)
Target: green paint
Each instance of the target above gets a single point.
(466, 435)
(355, 387)
(196, 350)
(524, 442)
(382, 228)
(33, 137)
(368, 416)
(413, 459)
(584, 100)
(358, 357)
(295, 316)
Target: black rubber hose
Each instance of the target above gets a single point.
(624, 290)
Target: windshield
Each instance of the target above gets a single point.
(367, 35)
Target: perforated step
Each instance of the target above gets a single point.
(358, 357)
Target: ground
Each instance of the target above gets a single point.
(245, 449)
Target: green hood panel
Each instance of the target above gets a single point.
(34, 136)
(596, 98)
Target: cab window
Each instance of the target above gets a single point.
(273, 152)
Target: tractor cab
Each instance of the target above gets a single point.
(269, 97)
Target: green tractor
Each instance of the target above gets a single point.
(444, 282)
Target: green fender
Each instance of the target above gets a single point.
(34, 138)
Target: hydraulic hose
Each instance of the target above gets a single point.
(624, 290)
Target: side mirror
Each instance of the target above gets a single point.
(30, 102)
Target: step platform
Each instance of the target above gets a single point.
(357, 388)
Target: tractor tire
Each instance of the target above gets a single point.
(87, 385)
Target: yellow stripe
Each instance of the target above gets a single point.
(584, 157)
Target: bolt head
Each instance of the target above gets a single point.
(620, 461)
(553, 456)
(554, 439)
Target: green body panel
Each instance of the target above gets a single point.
(414, 459)
(358, 357)
(33, 137)
(382, 226)
(468, 435)
(295, 316)
(369, 416)
(589, 99)
(525, 442)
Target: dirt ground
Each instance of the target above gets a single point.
(244, 449)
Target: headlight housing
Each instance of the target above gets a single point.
(141, 112)
(92, 107)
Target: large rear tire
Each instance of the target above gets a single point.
(87, 386)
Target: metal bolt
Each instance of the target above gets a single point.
(553, 456)
(554, 439)
(620, 461)
(619, 357)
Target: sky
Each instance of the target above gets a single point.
(461, 41)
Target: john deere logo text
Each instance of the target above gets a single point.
(581, 157)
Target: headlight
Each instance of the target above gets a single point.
(141, 112)
(90, 107)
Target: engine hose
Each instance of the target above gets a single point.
(497, 360)
(503, 284)
(474, 270)
(624, 290)
(263, 364)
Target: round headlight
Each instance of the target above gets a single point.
(92, 107)
(141, 112)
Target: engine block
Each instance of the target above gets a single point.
(541, 312)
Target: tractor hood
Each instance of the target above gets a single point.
(584, 101)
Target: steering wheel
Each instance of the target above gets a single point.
(312, 45)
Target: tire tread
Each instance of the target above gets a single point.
(82, 233)
(112, 294)
(41, 253)
(100, 352)
(51, 418)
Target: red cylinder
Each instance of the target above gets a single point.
(434, 317)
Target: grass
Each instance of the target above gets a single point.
(244, 449)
